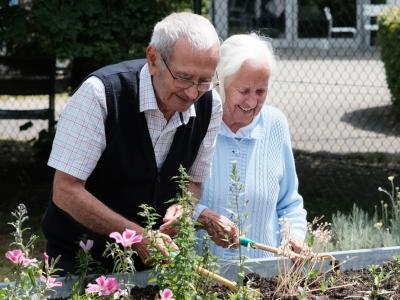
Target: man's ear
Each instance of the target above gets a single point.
(152, 57)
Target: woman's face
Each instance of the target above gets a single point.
(245, 94)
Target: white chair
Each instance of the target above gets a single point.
(332, 29)
(371, 11)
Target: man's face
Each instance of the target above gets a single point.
(184, 63)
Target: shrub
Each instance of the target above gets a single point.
(91, 33)
(360, 230)
(389, 41)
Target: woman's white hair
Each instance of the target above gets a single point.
(195, 29)
(240, 48)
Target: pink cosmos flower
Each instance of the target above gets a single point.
(104, 286)
(127, 239)
(166, 294)
(51, 282)
(26, 262)
(86, 246)
(93, 289)
(16, 256)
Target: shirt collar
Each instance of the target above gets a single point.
(252, 131)
(147, 97)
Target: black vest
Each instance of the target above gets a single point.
(126, 174)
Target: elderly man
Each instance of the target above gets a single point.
(124, 133)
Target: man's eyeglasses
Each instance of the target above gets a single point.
(187, 83)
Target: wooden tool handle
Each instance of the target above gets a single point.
(278, 251)
(222, 280)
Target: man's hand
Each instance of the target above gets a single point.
(163, 242)
(221, 230)
(170, 219)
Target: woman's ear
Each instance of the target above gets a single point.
(152, 57)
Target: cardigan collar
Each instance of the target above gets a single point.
(252, 131)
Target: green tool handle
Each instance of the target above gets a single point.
(246, 242)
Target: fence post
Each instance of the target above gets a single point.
(197, 7)
(52, 95)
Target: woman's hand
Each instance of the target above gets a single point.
(221, 230)
(298, 246)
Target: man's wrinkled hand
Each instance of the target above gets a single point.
(221, 230)
(163, 243)
(170, 219)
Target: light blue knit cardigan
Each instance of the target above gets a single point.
(263, 154)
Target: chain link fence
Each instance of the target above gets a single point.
(331, 85)
(330, 80)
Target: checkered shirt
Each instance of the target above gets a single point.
(80, 138)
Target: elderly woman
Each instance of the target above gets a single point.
(256, 136)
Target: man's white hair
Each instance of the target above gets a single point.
(195, 29)
(241, 48)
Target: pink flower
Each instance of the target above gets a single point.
(16, 256)
(104, 287)
(93, 289)
(121, 294)
(46, 258)
(86, 247)
(26, 262)
(51, 282)
(127, 239)
(166, 294)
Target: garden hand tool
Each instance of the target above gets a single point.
(231, 285)
(218, 278)
(244, 241)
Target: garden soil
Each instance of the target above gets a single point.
(350, 284)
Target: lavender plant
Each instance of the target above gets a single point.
(359, 230)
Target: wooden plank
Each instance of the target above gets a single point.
(28, 76)
(31, 114)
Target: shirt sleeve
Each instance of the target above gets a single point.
(290, 202)
(200, 169)
(80, 136)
